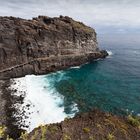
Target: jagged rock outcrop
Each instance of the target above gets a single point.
(44, 44)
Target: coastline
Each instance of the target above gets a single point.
(88, 126)
(7, 119)
(15, 109)
(41, 104)
(11, 97)
(2, 105)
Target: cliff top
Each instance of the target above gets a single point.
(94, 125)
(47, 22)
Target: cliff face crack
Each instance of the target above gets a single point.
(44, 44)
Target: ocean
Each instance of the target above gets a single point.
(111, 85)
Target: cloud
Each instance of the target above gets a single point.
(92, 12)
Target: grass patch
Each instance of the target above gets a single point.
(24, 136)
(91, 138)
(2, 131)
(134, 121)
(66, 137)
(80, 25)
(86, 130)
(53, 129)
(43, 132)
(110, 137)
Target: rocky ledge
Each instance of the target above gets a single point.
(44, 45)
(94, 125)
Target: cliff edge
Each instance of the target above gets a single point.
(44, 45)
(94, 125)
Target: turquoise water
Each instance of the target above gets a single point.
(112, 84)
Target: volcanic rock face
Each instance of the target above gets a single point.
(44, 44)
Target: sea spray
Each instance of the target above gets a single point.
(42, 103)
(76, 67)
(109, 53)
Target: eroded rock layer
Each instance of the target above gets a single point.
(44, 44)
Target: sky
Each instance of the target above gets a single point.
(118, 15)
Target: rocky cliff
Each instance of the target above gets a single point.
(44, 44)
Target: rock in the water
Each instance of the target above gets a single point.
(44, 45)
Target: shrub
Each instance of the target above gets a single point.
(24, 136)
(86, 130)
(2, 131)
(66, 137)
(110, 137)
(135, 121)
(43, 132)
(91, 138)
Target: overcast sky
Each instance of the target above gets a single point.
(98, 13)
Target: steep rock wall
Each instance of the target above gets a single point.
(44, 45)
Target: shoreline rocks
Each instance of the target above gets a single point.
(7, 110)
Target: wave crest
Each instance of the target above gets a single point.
(109, 52)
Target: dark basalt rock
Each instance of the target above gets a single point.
(44, 45)
(104, 53)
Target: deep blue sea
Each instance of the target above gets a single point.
(111, 84)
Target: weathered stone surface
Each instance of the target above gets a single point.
(44, 44)
(94, 125)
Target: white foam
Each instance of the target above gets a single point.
(76, 67)
(109, 53)
(46, 103)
